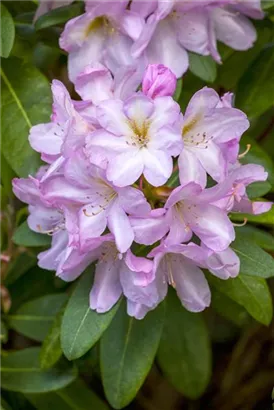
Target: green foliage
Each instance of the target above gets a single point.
(128, 348)
(21, 372)
(21, 109)
(250, 292)
(75, 396)
(260, 237)
(227, 308)
(51, 350)
(82, 327)
(7, 32)
(34, 318)
(254, 260)
(203, 67)
(23, 236)
(58, 16)
(184, 353)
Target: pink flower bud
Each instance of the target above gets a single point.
(158, 81)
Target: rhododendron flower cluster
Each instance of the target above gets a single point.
(120, 33)
(105, 194)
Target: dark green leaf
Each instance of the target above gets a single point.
(19, 266)
(128, 348)
(35, 318)
(5, 405)
(7, 32)
(82, 327)
(267, 218)
(179, 87)
(37, 282)
(257, 155)
(184, 352)
(58, 16)
(203, 67)
(263, 239)
(51, 350)
(26, 101)
(258, 189)
(256, 87)
(76, 397)
(227, 308)
(254, 260)
(250, 292)
(24, 236)
(4, 333)
(21, 372)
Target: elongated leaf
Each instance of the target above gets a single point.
(7, 32)
(254, 260)
(24, 236)
(250, 292)
(257, 155)
(267, 218)
(51, 350)
(227, 308)
(76, 396)
(35, 318)
(256, 92)
(4, 333)
(261, 238)
(82, 327)
(184, 352)
(19, 266)
(128, 348)
(21, 372)
(58, 16)
(258, 189)
(179, 87)
(5, 405)
(26, 101)
(203, 67)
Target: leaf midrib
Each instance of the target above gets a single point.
(16, 98)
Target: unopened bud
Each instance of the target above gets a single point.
(158, 81)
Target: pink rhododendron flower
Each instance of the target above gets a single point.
(138, 136)
(105, 33)
(102, 193)
(176, 26)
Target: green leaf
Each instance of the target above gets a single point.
(7, 32)
(58, 16)
(254, 260)
(184, 353)
(227, 308)
(128, 348)
(82, 327)
(267, 218)
(256, 91)
(5, 405)
(257, 155)
(51, 350)
(258, 189)
(21, 372)
(24, 236)
(203, 67)
(179, 87)
(37, 282)
(19, 266)
(26, 101)
(262, 238)
(248, 291)
(35, 318)
(76, 397)
(4, 333)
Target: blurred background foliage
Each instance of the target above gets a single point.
(222, 359)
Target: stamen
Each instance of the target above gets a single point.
(245, 152)
(240, 224)
(50, 232)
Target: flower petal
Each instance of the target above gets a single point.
(119, 226)
(158, 166)
(111, 116)
(125, 168)
(190, 169)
